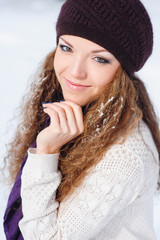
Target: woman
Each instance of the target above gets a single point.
(90, 132)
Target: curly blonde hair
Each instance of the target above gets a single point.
(110, 116)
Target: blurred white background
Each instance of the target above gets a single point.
(27, 34)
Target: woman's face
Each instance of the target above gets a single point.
(83, 68)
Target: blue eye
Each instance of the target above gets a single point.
(101, 60)
(65, 48)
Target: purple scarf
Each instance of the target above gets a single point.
(13, 213)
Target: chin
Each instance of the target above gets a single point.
(80, 102)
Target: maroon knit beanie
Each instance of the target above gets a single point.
(123, 27)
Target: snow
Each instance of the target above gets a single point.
(27, 34)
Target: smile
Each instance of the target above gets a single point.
(75, 86)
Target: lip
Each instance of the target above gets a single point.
(75, 86)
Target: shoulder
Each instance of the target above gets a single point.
(136, 152)
(141, 143)
(135, 158)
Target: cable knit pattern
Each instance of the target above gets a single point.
(115, 201)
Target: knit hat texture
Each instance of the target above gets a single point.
(123, 27)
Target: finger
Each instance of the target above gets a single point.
(78, 114)
(54, 119)
(75, 118)
(61, 115)
(71, 118)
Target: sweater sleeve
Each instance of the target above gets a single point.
(108, 188)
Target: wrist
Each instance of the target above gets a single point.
(45, 151)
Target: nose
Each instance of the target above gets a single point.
(79, 69)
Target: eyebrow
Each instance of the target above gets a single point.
(94, 51)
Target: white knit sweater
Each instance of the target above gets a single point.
(115, 202)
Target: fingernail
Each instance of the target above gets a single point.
(44, 107)
(62, 101)
(46, 102)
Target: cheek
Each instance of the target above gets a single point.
(108, 75)
(56, 63)
(104, 78)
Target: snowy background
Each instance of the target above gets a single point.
(27, 34)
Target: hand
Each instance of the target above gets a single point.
(66, 123)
